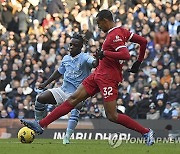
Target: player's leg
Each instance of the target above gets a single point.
(91, 88)
(79, 95)
(88, 88)
(60, 96)
(109, 89)
(112, 115)
(59, 111)
(72, 123)
(40, 104)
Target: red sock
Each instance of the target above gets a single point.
(131, 124)
(59, 111)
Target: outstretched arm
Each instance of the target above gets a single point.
(142, 42)
(53, 77)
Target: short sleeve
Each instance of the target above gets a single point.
(89, 59)
(61, 68)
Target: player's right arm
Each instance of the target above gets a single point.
(96, 61)
(56, 74)
(92, 62)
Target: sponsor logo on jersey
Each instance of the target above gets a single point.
(117, 39)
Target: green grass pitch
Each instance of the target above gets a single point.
(50, 146)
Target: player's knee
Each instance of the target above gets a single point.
(112, 117)
(40, 99)
(73, 99)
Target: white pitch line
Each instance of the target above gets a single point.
(49, 143)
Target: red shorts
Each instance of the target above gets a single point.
(107, 87)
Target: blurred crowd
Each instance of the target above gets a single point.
(34, 37)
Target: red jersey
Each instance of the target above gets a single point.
(109, 67)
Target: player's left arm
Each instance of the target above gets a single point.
(117, 47)
(121, 54)
(143, 43)
(92, 62)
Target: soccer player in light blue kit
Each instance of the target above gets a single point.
(74, 67)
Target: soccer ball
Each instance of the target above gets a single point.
(26, 135)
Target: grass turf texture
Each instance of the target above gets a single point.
(50, 146)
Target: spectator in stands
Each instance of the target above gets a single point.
(172, 68)
(11, 112)
(125, 96)
(174, 94)
(23, 20)
(21, 111)
(160, 106)
(86, 32)
(162, 37)
(36, 28)
(166, 77)
(143, 106)
(140, 83)
(55, 6)
(40, 12)
(95, 112)
(173, 26)
(7, 15)
(120, 106)
(153, 113)
(3, 81)
(26, 88)
(136, 96)
(161, 94)
(175, 113)
(4, 114)
(131, 109)
(154, 90)
(48, 21)
(169, 111)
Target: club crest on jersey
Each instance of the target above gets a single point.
(117, 39)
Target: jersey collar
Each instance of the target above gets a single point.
(76, 56)
(113, 29)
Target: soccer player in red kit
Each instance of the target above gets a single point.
(105, 78)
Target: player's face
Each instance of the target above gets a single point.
(102, 24)
(75, 47)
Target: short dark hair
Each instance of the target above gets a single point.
(78, 37)
(105, 14)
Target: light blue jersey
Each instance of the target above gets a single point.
(75, 70)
